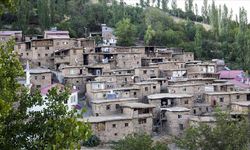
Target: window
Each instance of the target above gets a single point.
(179, 116)
(65, 101)
(144, 71)
(97, 114)
(47, 48)
(238, 96)
(154, 87)
(108, 107)
(117, 106)
(184, 89)
(114, 125)
(207, 109)
(27, 54)
(125, 79)
(74, 51)
(21, 54)
(73, 99)
(222, 99)
(194, 111)
(38, 86)
(181, 126)
(115, 134)
(35, 77)
(146, 88)
(38, 55)
(186, 102)
(135, 93)
(46, 54)
(43, 77)
(142, 121)
(126, 124)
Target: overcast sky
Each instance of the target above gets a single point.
(231, 4)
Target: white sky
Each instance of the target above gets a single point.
(231, 4)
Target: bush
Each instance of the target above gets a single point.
(93, 141)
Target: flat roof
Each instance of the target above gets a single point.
(203, 119)
(176, 109)
(93, 119)
(231, 92)
(64, 67)
(10, 32)
(115, 89)
(114, 100)
(137, 105)
(143, 83)
(38, 70)
(227, 83)
(242, 103)
(156, 79)
(185, 84)
(167, 95)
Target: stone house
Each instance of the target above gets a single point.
(185, 57)
(163, 82)
(200, 109)
(146, 73)
(224, 99)
(111, 105)
(198, 120)
(134, 118)
(173, 73)
(55, 34)
(40, 51)
(166, 100)
(8, 35)
(242, 107)
(40, 77)
(204, 67)
(176, 120)
(145, 89)
(68, 57)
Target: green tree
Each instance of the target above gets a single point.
(164, 5)
(228, 133)
(214, 20)
(242, 41)
(198, 42)
(204, 11)
(150, 33)
(23, 14)
(7, 5)
(52, 128)
(10, 69)
(43, 14)
(125, 32)
(138, 142)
